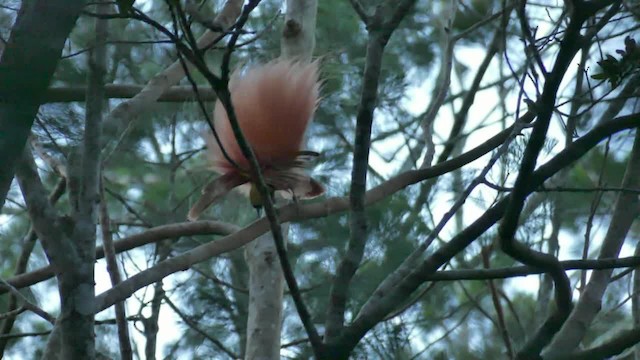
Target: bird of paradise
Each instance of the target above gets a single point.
(274, 104)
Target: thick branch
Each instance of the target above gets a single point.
(625, 212)
(517, 271)
(380, 28)
(176, 93)
(609, 349)
(382, 304)
(52, 230)
(28, 245)
(26, 67)
(164, 232)
(506, 232)
(357, 225)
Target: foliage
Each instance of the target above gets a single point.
(616, 70)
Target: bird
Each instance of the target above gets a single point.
(274, 104)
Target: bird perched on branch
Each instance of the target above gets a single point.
(274, 104)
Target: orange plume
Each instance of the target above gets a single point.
(274, 104)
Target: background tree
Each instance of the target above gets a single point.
(438, 121)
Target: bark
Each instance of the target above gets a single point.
(70, 240)
(266, 281)
(266, 285)
(298, 35)
(98, 67)
(26, 67)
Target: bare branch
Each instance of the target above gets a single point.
(625, 339)
(125, 112)
(28, 245)
(26, 67)
(444, 83)
(28, 305)
(572, 42)
(114, 275)
(460, 117)
(299, 212)
(177, 93)
(382, 302)
(626, 211)
(51, 229)
(495, 299)
(170, 231)
(517, 271)
(357, 224)
(359, 9)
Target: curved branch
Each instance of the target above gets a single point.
(171, 231)
(571, 43)
(615, 346)
(383, 304)
(624, 213)
(517, 271)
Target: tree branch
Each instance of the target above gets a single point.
(380, 28)
(52, 230)
(517, 271)
(625, 212)
(609, 349)
(26, 67)
(170, 231)
(28, 305)
(125, 112)
(357, 225)
(571, 43)
(177, 93)
(383, 302)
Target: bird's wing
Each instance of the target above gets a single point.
(214, 190)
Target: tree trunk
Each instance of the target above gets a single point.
(266, 282)
(26, 67)
(266, 285)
